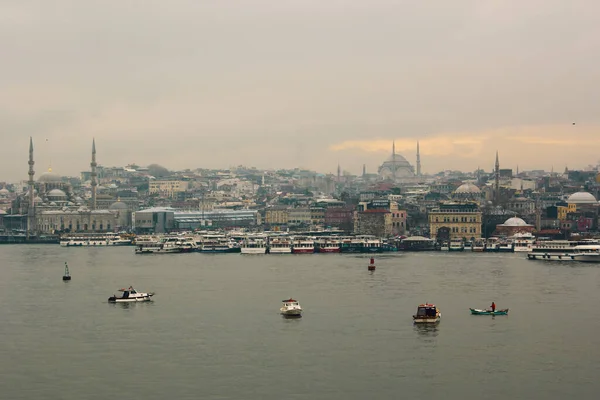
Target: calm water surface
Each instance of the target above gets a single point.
(214, 331)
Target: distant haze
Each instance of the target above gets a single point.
(283, 84)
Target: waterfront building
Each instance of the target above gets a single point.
(277, 215)
(455, 220)
(377, 222)
(340, 217)
(167, 188)
(513, 226)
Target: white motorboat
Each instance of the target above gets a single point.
(427, 314)
(130, 295)
(291, 308)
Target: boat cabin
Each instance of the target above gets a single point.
(127, 292)
(427, 311)
(290, 302)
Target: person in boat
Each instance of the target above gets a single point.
(493, 307)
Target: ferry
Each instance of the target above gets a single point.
(328, 245)
(303, 245)
(523, 242)
(564, 250)
(372, 244)
(478, 245)
(586, 253)
(254, 245)
(93, 239)
(456, 245)
(352, 245)
(280, 245)
(217, 243)
(165, 245)
(506, 246)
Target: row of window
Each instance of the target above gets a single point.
(464, 229)
(457, 219)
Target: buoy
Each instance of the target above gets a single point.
(371, 266)
(66, 276)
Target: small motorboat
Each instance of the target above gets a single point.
(476, 311)
(427, 314)
(66, 276)
(371, 266)
(130, 295)
(291, 308)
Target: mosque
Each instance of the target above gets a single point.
(398, 170)
(50, 205)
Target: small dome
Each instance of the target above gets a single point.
(467, 188)
(118, 205)
(582, 198)
(56, 193)
(4, 192)
(50, 177)
(515, 221)
(38, 199)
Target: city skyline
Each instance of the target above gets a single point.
(311, 85)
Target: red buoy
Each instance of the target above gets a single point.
(371, 266)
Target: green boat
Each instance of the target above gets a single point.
(476, 311)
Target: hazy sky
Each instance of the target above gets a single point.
(285, 83)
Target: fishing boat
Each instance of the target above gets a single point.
(476, 311)
(66, 276)
(291, 308)
(130, 295)
(427, 314)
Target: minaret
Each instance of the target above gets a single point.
(497, 182)
(31, 208)
(364, 170)
(93, 175)
(339, 172)
(394, 159)
(418, 160)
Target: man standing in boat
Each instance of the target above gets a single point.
(493, 307)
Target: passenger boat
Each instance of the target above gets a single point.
(216, 243)
(476, 311)
(352, 245)
(93, 239)
(427, 314)
(557, 250)
(280, 245)
(130, 295)
(586, 253)
(254, 245)
(166, 245)
(445, 246)
(291, 308)
(372, 244)
(303, 245)
(523, 242)
(478, 246)
(506, 246)
(456, 245)
(328, 245)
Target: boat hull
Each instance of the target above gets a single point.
(551, 257)
(303, 251)
(327, 250)
(291, 313)
(423, 320)
(593, 258)
(140, 299)
(254, 250)
(476, 311)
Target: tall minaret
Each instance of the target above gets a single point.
(93, 175)
(394, 159)
(364, 170)
(497, 180)
(418, 160)
(31, 208)
(339, 172)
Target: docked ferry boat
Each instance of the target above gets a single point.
(478, 245)
(456, 244)
(372, 244)
(254, 245)
(523, 242)
(328, 245)
(93, 239)
(165, 245)
(303, 245)
(352, 245)
(280, 245)
(564, 250)
(217, 243)
(586, 253)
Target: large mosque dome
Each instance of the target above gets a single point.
(582, 198)
(515, 221)
(50, 177)
(396, 167)
(467, 188)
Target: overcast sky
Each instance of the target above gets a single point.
(307, 83)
